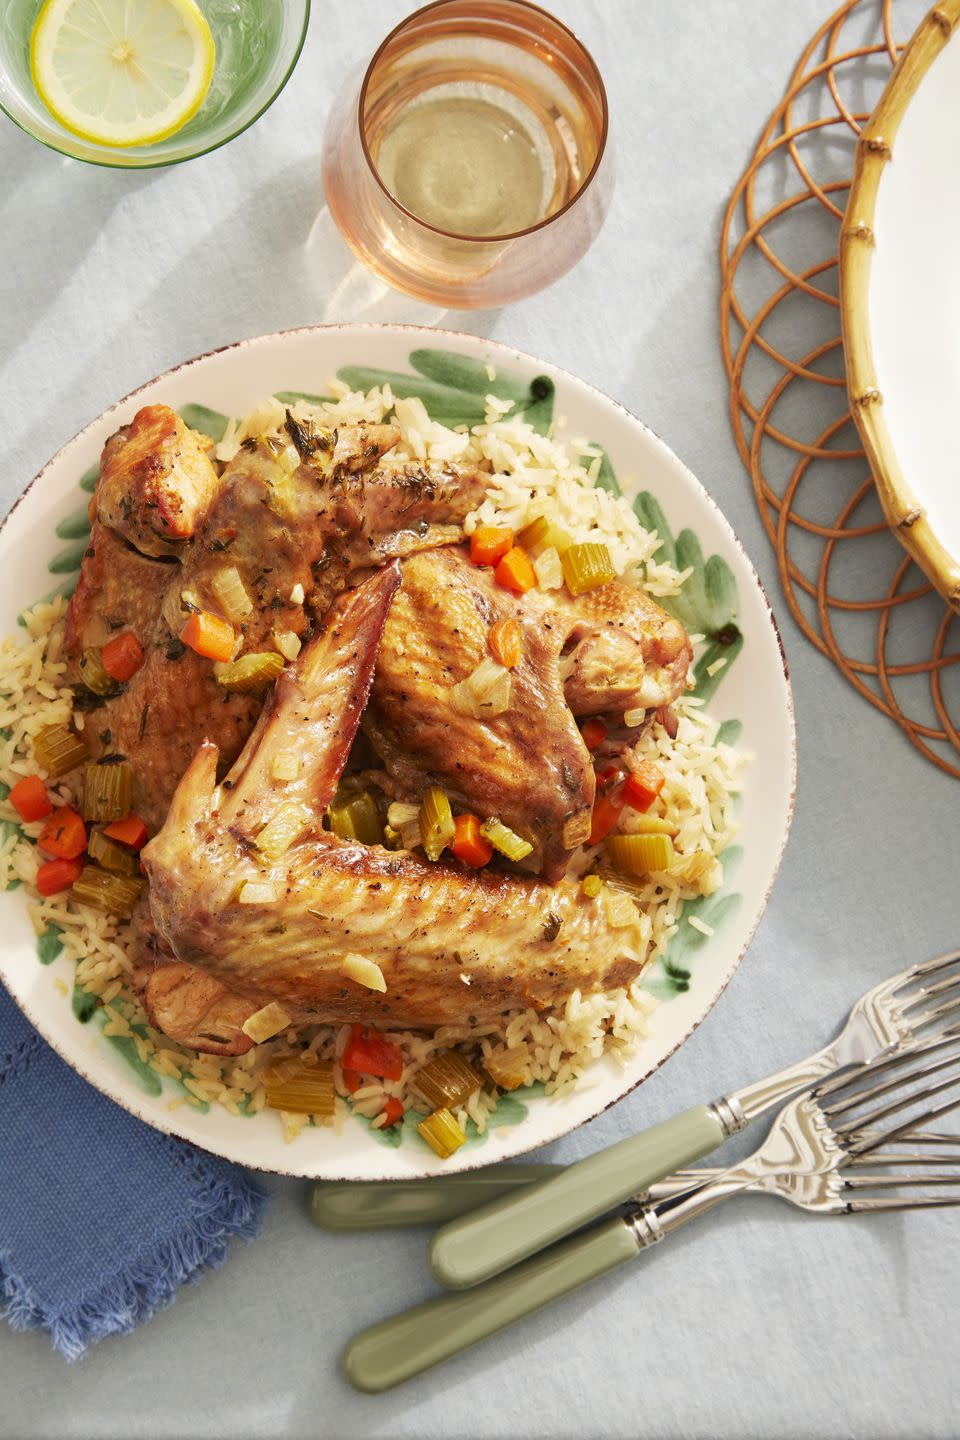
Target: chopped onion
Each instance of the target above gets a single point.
(365, 972)
(548, 570)
(257, 892)
(286, 826)
(485, 693)
(285, 766)
(296, 594)
(400, 814)
(700, 869)
(405, 820)
(231, 593)
(621, 911)
(508, 1069)
(266, 1023)
(287, 643)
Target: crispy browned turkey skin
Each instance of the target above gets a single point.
(604, 653)
(450, 943)
(339, 512)
(299, 529)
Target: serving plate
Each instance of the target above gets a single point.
(45, 533)
(900, 298)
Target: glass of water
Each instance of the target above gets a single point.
(258, 43)
(470, 165)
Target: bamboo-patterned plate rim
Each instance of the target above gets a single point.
(858, 240)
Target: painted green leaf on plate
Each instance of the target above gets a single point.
(207, 421)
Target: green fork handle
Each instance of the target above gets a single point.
(411, 1342)
(481, 1244)
(375, 1204)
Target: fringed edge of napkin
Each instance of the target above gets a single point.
(134, 1293)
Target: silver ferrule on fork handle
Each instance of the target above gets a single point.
(655, 1222)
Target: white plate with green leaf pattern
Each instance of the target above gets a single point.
(42, 542)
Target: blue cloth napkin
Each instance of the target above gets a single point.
(101, 1217)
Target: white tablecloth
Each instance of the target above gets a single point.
(761, 1321)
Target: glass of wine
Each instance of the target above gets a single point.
(470, 165)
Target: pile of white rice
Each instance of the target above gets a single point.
(531, 474)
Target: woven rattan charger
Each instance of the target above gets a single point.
(854, 593)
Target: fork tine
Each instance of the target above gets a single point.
(884, 1202)
(939, 987)
(855, 1146)
(927, 967)
(891, 1182)
(904, 1055)
(890, 1083)
(874, 1157)
(947, 1010)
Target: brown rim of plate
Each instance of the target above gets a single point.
(125, 1099)
(904, 513)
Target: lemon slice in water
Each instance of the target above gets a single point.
(122, 72)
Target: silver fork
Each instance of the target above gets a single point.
(892, 1162)
(473, 1247)
(844, 1123)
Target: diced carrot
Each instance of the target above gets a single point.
(64, 835)
(515, 571)
(506, 643)
(594, 733)
(489, 543)
(393, 1111)
(606, 813)
(122, 656)
(30, 799)
(56, 875)
(129, 831)
(468, 844)
(209, 635)
(352, 1080)
(369, 1054)
(642, 786)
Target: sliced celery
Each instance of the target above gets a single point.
(107, 790)
(442, 1133)
(640, 854)
(250, 673)
(542, 534)
(448, 1081)
(58, 750)
(93, 674)
(308, 1090)
(502, 838)
(113, 857)
(436, 822)
(115, 894)
(586, 566)
(356, 817)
